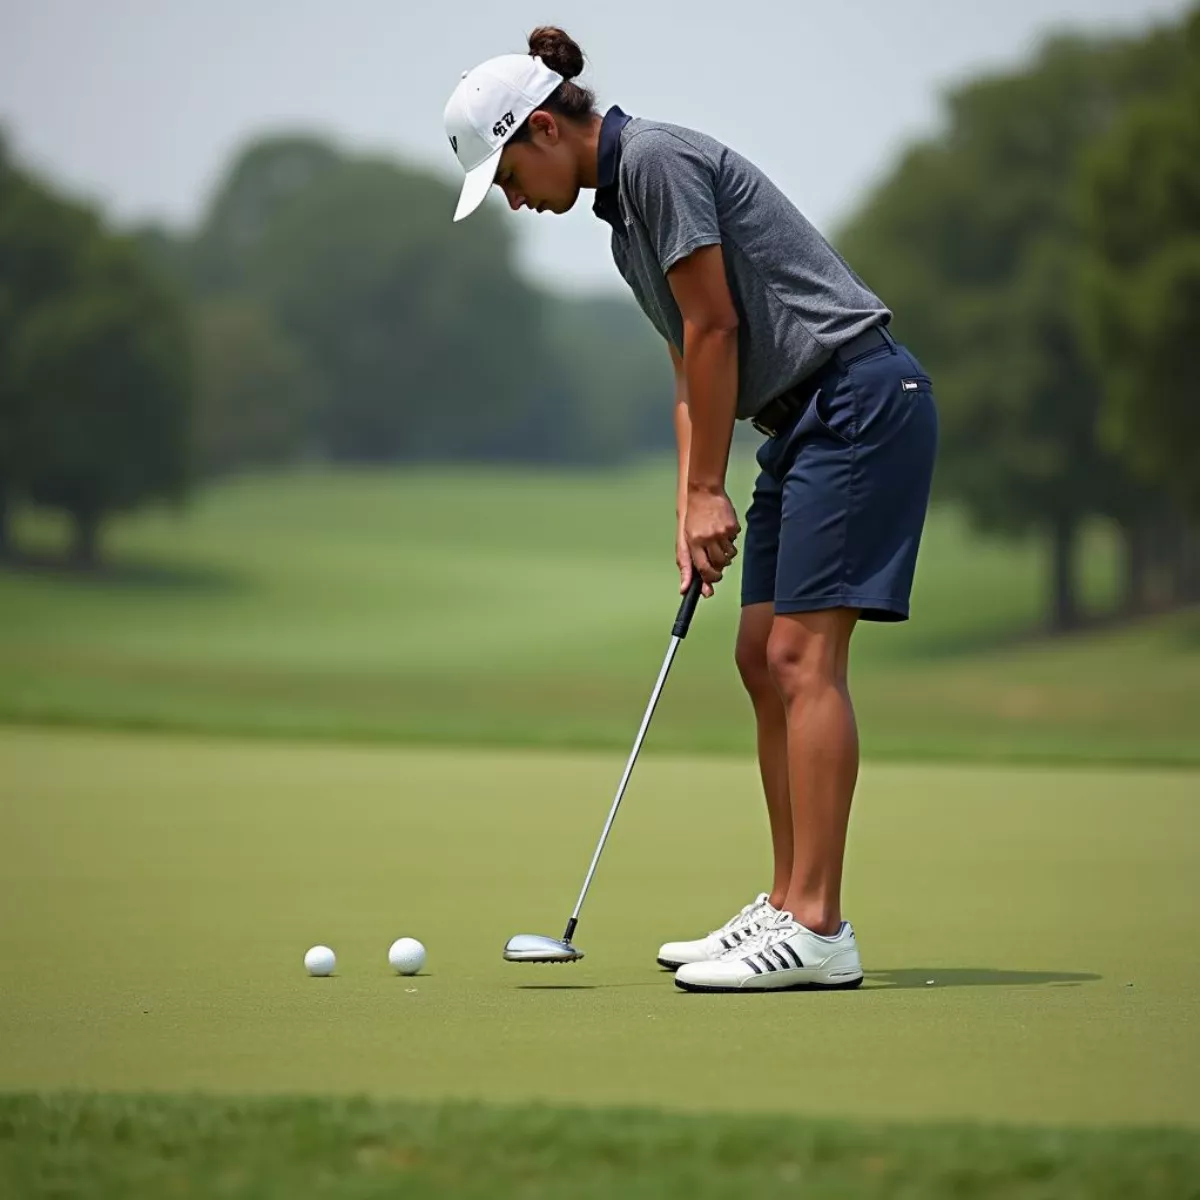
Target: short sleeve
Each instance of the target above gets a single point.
(672, 187)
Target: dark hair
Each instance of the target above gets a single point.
(560, 53)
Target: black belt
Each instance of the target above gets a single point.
(777, 414)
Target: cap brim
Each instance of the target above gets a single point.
(477, 184)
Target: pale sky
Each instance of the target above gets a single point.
(139, 103)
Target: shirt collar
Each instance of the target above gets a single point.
(607, 164)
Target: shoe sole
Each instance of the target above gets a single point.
(848, 985)
(670, 966)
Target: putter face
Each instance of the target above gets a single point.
(533, 948)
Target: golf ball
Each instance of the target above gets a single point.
(406, 955)
(320, 960)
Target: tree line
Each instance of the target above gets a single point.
(1042, 253)
(323, 309)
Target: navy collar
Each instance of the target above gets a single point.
(608, 162)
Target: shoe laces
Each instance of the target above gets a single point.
(751, 916)
(774, 929)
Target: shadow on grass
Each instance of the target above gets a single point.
(585, 987)
(921, 977)
(556, 987)
(161, 576)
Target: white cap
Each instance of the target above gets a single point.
(490, 102)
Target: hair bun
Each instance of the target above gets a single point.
(557, 50)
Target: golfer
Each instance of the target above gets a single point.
(765, 323)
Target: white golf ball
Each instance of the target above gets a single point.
(406, 955)
(320, 960)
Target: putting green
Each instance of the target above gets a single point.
(159, 894)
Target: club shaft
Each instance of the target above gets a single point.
(637, 746)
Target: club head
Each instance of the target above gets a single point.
(533, 948)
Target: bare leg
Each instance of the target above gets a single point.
(753, 633)
(808, 655)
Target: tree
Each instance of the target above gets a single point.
(1140, 192)
(263, 181)
(429, 342)
(426, 341)
(974, 241)
(617, 389)
(42, 245)
(256, 393)
(100, 378)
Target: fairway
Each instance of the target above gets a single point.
(160, 893)
(531, 608)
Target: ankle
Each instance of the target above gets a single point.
(815, 918)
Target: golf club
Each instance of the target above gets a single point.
(534, 947)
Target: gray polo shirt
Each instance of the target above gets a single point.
(667, 191)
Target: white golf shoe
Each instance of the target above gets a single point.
(732, 934)
(781, 956)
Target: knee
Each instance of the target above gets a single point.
(801, 662)
(750, 654)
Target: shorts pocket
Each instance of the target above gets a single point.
(836, 413)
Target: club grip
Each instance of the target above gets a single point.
(687, 610)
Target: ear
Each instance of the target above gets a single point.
(543, 123)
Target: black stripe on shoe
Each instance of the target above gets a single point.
(753, 966)
(781, 958)
(727, 943)
(789, 951)
(768, 962)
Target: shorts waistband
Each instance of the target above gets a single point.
(776, 414)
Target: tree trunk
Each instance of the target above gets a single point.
(85, 545)
(1064, 613)
(1166, 563)
(1136, 565)
(1189, 566)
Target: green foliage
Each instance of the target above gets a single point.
(256, 392)
(42, 244)
(102, 383)
(95, 370)
(974, 241)
(617, 377)
(426, 341)
(427, 337)
(1141, 299)
(263, 180)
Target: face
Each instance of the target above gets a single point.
(540, 173)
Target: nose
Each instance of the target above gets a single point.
(515, 199)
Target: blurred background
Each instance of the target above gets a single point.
(283, 452)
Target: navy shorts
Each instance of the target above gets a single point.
(841, 498)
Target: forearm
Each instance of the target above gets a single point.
(710, 369)
(683, 443)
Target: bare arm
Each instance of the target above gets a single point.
(683, 433)
(709, 383)
(683, 443)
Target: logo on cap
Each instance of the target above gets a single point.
(502, 126)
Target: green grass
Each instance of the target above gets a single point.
(505, 608)
(160, 894)
(145, 1148)
(1026, 1028)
